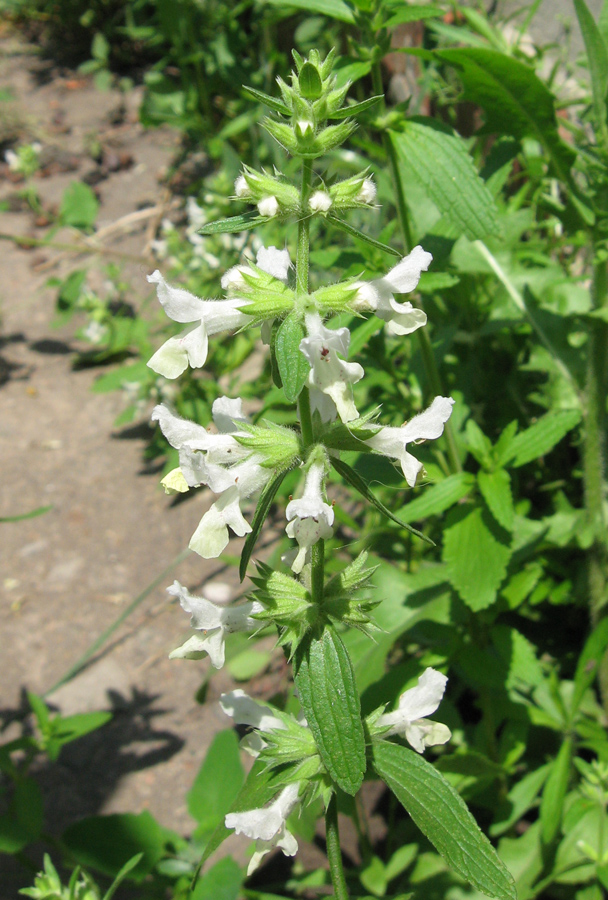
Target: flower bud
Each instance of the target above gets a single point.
(268, 206)
(320, 201)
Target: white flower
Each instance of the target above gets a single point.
(247, 711)
(427, 425)
(270, 260)
(320, 201)
(241, 188)
(409, 720)
(267, 826)
(268, 206)
(275, 262)
(330, 378)
(207, 317)
(224, 466)
(214, 621)
(309, 518)
(367, 194)
(402, 318)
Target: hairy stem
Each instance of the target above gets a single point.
(594, 463)
(426, 350)
(334, 854)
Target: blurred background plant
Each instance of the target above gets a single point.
(491, 153)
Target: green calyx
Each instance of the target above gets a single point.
(268, 297)
(261, 185)
(287, 604)
(278, 447)
(335, 297)
(339, 602)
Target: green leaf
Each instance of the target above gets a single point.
(441, 162)
(588, 663)
(107, 843)
(244, 222)
(310, 81)
(514, 99)
(475, 556)
(414, 13)
(334, 9)
(79, 206)
(541, 437)
(22, 823)
(356, 109)
(222, 882)
(28, 515)
(518, 801)
(217, 783)
(128, 866)
(554, 794)
(326, 687)
(293, 365)
(437, 498)
(443, 817)
(354, 479)
(64, 730)
(350, 229)
(495, 488)
(267, 100)
(261, 510)
(597, 54)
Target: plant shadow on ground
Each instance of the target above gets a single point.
(88, 771)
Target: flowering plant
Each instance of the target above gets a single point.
(329, 745)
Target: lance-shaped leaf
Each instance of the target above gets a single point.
(293, 365)
(267, 100)
(261, 511)
(326, 687)
(413, 13)
(588, 663)
(514, 99)
(554, 793)
(443, 817)
(354, 479)
(334, 9)
(539, 438)
(245, 222)
(356, 109)
(597, 53)
(350, 229)
(441, 162)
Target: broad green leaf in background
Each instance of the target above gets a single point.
(106, 843)
(597, 54)
(334, 9)
(475, 556)
(514, 99)
(259, 517)
(222, 882)
(79, 206)
(443, 817)
(554, 793)
(437, 498)
(539, 438)
(440, 161)
(217, 783)
(326, 687)
(519, 800)
(413, 13)
(496, 491)
(293, 365)
(22, 822)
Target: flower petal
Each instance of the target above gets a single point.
(423, 699)
(179, 304)
(247, 711)
(274, 262)
(429, 424)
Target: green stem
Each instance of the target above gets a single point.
(424, 341)
(594, 464)
(334, 854)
